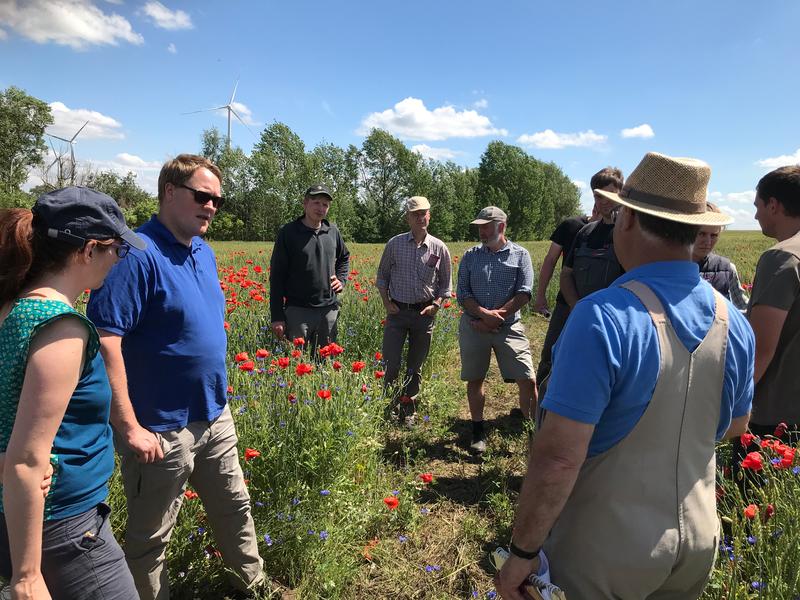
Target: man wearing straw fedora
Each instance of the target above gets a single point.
(620, 490)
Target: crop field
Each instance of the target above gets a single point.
(349, 505)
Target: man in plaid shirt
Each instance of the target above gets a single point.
(413, 279)
(495, 280)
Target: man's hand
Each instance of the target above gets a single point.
(429, 311)
(540, 306)
(32, 587)
(481, 326)
(391, 307)
(279, 329)
(493, 318)
(145, 444)
(47, 480)
(336, 285)
(512, 576)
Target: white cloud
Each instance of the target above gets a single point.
(74, 23)
(643, 131)
(581, 185)
(165, 18)
(552, 140)
(243, 111)
(131, 160)
(3, 34)
(738, 205)
(117, 2)
(435, 153)
(733, 197)
(66, 121)
(780, 161)
(172, 49)
(482, 103)
(410, 119)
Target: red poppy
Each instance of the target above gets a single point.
(303, 369)
(258, 269)
(788, 458)
(365, 298)
(296, 353)
(283, 362)
(337, 365)
(190, 494)
(391, 502)
(250, 453)
(324, 394)
(298, 341)
(242, 356)
(406, 400)
(248, 365)
(358, 365)
(746, 439)
(780, 429)
(364, 388)
(379, 374)
(261, 353)
(751, 511)
(227, 325)
(753, 461)
(768, 512)
(447, 304)
(230, 389)
(292, 399)
(426, 477)
(378, 356)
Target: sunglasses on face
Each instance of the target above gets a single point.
(202, 198)
(121, 249)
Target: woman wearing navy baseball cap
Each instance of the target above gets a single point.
(55, 399)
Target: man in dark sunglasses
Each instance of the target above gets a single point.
(161, 320)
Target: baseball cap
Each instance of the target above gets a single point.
(417, 203)
(76, 214)
(489, 214)
(317, 189)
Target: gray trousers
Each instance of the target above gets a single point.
(558, 319)
(419, 329)
(81, 560)
(205, 455)
(317, 326)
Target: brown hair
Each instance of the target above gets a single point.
(784, 185)
(26, 253)
(605, 177)
(180, 169)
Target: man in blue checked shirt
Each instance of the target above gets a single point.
(495, 280)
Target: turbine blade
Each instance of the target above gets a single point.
(59, 138)
(236, 85)
(79, 130)
(240, 120)
(194, 112)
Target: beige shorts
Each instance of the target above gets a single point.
(511, 348)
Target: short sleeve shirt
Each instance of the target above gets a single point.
(777, 284)
(564, 234)
(167, 304)
(606, 361)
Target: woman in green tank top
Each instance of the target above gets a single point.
(55, 398)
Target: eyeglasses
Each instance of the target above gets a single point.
(121, 249)
(202, 198)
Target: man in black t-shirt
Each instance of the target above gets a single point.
(596, 262)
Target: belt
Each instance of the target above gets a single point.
(417, 306)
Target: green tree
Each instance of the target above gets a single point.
(23, 120)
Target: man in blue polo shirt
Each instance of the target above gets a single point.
(620, 489)
(161, 321)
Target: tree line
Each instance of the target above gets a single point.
(265, 188)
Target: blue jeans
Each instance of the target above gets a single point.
(81, 560)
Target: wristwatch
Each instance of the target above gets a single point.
(524, 554)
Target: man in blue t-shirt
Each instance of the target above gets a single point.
(161, 320)
(647, 375)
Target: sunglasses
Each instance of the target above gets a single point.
(202, 198)
(121, 249)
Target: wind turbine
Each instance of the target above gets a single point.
(230, 109)
(58, 159)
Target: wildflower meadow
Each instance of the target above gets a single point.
(348, 504)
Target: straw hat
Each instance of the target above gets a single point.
(670, 188)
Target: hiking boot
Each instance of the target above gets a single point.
(478, 445)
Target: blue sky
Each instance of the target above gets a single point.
(583, 84)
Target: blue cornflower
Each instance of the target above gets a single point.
(295, 501)
(402, 539)
(282, 384)
(259, 504)
(325, 493)
(280, 516)
(423, 511)
(242, 410)
(757, 585)
(312, 532)
(267, 539)
(350, 433)
(432, 568)
(426, 418)
(491, 595)
(795, 470)
(751, 539)
(395, 492)
(323, 535)
(775, 461)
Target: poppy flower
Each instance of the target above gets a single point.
(303, 369)
(426, 477)
(751, 511)
(296, 353)
(283, 362)
(241, 357)
(358, 365)
(292, 399)
(768, 512)
(258, 269)
(298, 341)
(248, 365)
(324, 394)
(261, 353)
(379, 374)
(447, 304)
(364, 388)
(391, 502)
(337, 365)
(227, 325)
(746, 439)
(250, 454)
(780, 430)
(230, 389)
(753, 461)
(378, 356)
(190, 494)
